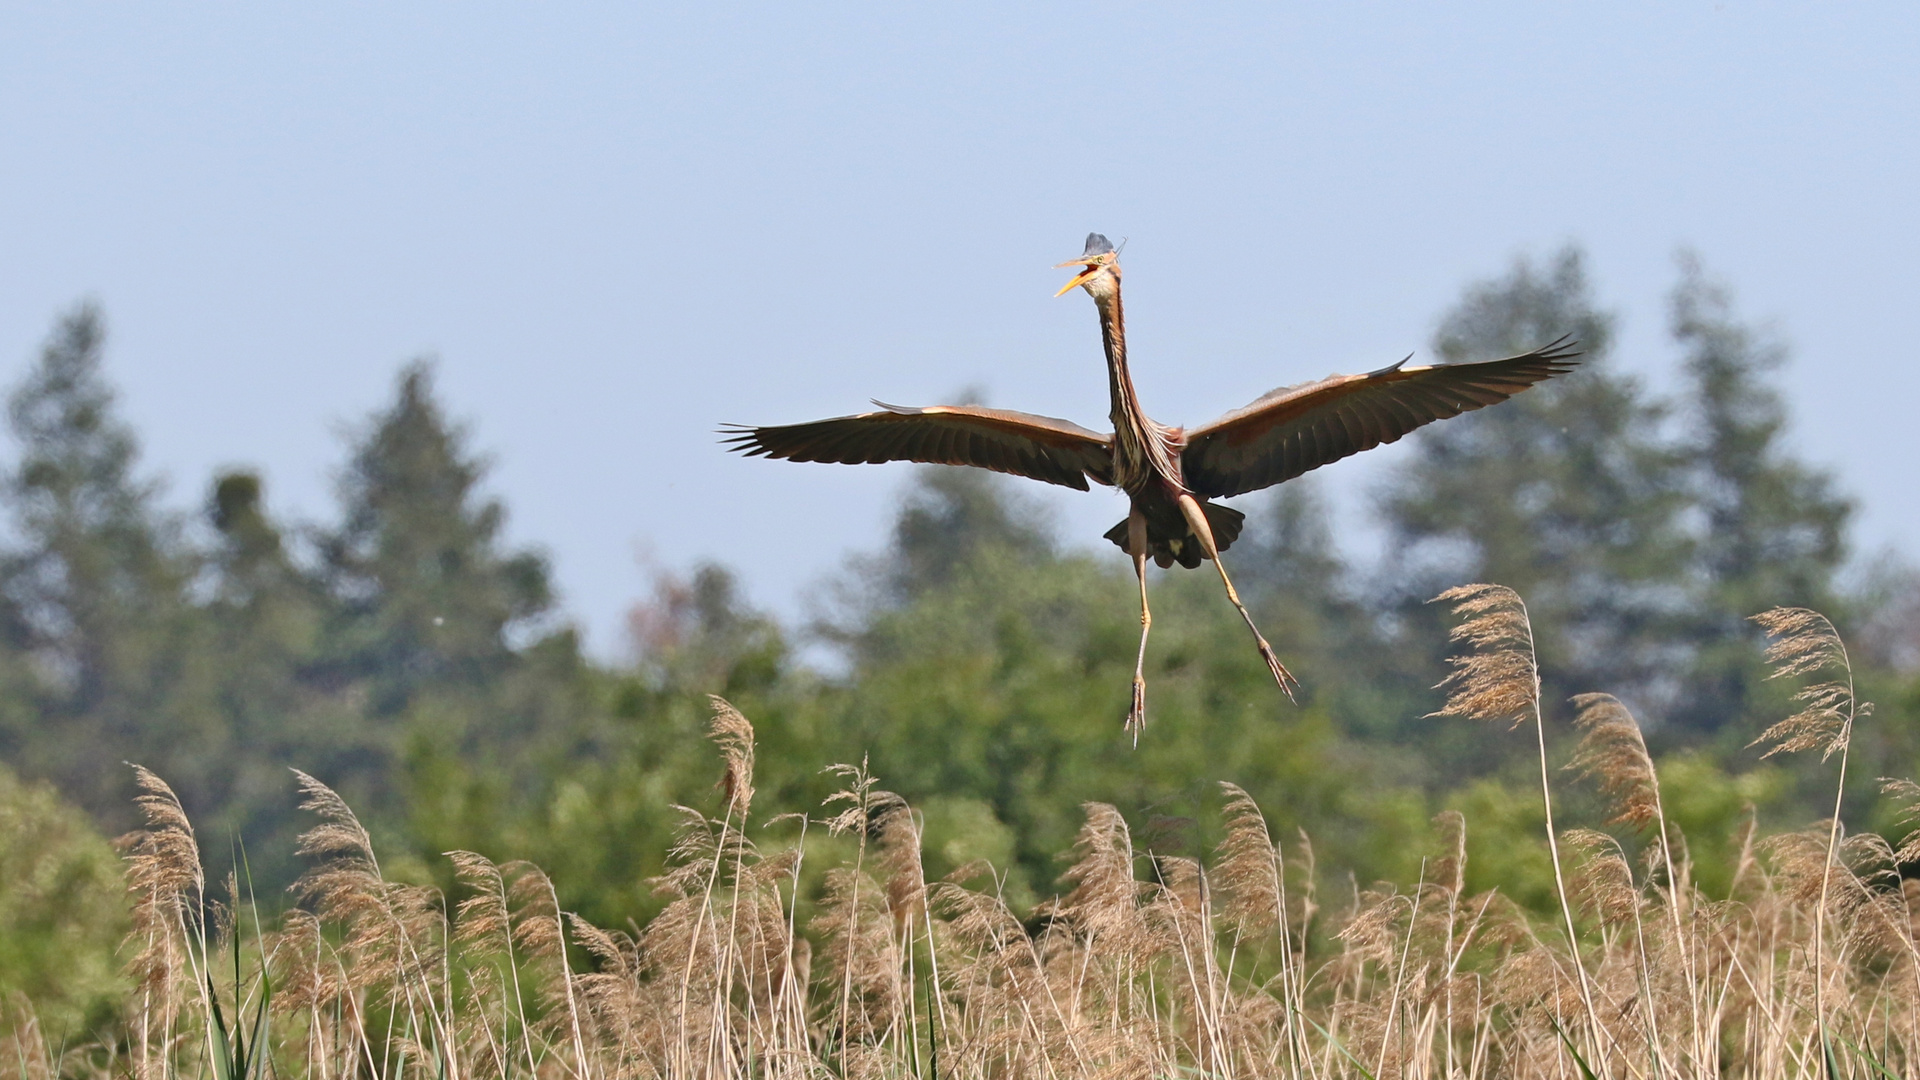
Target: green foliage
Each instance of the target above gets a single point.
(1714, 809)
(406, 659)
(1568, 493)
(63, 907)
(265, 621)
(425, 598)
(1006, 684)
(405, 654)
(470, 693)
(103, 641)
(949, 517)
(992, 695)
(1506, 849)
(1775, 528)
(1643, 531)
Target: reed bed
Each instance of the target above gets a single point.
(1145, 965)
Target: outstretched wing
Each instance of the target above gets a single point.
(1299, 428)
(1037, 447)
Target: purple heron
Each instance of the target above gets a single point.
(1170, 474)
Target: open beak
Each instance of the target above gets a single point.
(1079, 279)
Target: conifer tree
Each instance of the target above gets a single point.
(698, 635)
(1774, 528)
(267, 617)
(427, 597)
(1312, 608)
(950, 516)
(97, 593)
(473, 699)
(1568, 494)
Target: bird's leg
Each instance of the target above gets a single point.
(1197, 521)
(1137, 547)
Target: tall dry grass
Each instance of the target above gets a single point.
(1145, 966)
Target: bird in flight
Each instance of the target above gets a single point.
(1170, 475)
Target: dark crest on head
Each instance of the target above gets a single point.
(1097, 245)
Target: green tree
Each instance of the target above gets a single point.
(97, 595)
(1774, 528)
(604, 820)
(473, 693)
(991, 689)
(698, 635)
(427, 597)
(949, 517)
(1312, 607)
(267, 616)
(63, 904)
(1569, 493)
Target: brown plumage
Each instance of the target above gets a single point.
(1168, 473)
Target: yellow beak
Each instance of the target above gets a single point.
(1078, 279)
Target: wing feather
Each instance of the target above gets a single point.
(1022, 444)
(1296, 429)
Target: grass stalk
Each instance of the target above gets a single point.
(1213, 965)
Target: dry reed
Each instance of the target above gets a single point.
(1146, 966)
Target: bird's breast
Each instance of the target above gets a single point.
(1146, 454)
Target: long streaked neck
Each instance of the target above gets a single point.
(1140, 449)
(1113, 335)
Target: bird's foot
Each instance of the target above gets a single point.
(1137, 712)
(1288, 684)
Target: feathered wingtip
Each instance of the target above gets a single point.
(1557, 357)
(741, 439)
(1561, 350)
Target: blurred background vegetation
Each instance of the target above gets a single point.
(403, 654)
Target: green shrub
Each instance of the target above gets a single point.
(63, 910)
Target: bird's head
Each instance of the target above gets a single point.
(1100, 269)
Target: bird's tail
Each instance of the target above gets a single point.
(1170, 541)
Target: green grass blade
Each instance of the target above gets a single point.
(1337, 1045)
(255, 1065)
(1586, 1070)
(1872, 1063)
(223, 1042)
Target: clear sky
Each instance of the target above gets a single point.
(619, 225)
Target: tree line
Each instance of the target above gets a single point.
(408, 657)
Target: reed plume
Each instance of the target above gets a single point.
(1804, 642)
(167, 894)
(1613, 753)
(1147, 964)
(1499, 681)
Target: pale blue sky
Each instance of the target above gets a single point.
(620, 225)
